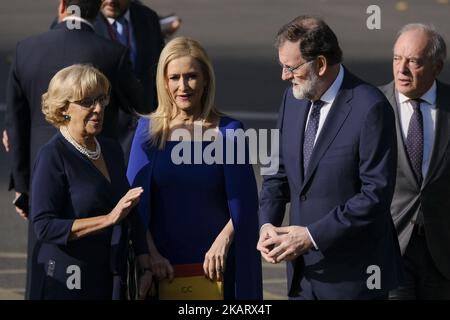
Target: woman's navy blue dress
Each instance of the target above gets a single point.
(192, 195)
(185, 206)
(66, 186)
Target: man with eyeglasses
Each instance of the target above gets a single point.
(37, 60)
(421, 204)
(337, 170)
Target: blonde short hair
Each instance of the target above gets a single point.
(71, 84)
(177, 48)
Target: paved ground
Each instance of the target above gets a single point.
(238, 35)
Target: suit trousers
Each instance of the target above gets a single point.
(423, 281)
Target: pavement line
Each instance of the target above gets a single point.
(10, 294)
(13, 271)
(274, 266)
(13, 255)
(18, 290)
(250, 115)
(272, 296)
(275, 281)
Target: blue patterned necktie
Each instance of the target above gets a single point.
(123, 36)
(414, 140)
(121, 29)
(311, 132)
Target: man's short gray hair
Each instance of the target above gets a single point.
(437, 50)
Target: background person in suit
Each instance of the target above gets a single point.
(421, 204)
(136, 27)
(29, 78)
(337, 169)
(80, 197)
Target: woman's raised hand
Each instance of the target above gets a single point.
(124, 206)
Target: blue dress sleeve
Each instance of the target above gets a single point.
(242, 195)
(138, 157)
(49, 194)
(140, 165)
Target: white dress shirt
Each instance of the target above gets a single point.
(126, 16)
(328, 99)
(428, 108)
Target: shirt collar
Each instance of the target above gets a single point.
(429, 96)
(331, 93)
(77, 18)
(126, 15)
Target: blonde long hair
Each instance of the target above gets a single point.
(160, 119)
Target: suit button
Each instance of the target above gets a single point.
(302, 197)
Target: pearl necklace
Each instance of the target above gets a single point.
(94, 155)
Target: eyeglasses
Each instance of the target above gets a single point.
(293, 69)
(103, 100)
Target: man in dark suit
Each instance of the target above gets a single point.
(421, 202)
(137, 27)
(72, 41)
(337, 169)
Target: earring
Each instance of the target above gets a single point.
(66, 117)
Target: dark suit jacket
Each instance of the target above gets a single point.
(433, 196)
(149, 43)
(67, 186)
(37, 60)
(344, 197)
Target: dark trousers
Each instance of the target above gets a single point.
(422, 279)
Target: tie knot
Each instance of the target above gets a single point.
(120, 23)
(415, 103)
(317, 104)
(121, 19)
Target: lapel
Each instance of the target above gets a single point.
(402, 154)
(101, 26)
(442, 131)
(338, 113)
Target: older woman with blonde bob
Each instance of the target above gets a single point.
(201, 218)
(81, 205)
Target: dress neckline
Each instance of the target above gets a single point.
(90, 163)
